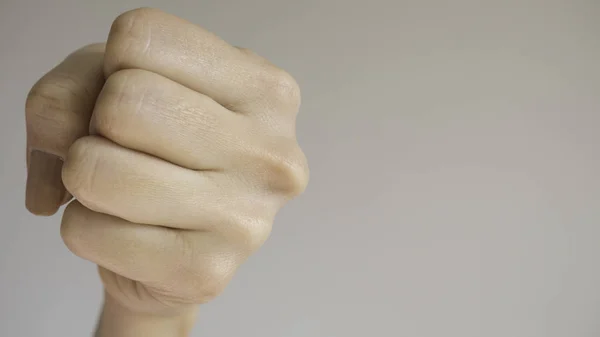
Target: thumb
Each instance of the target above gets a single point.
(57, 112)
(45, 192)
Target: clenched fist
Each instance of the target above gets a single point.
(178, 149)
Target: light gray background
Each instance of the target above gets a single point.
(455, 154)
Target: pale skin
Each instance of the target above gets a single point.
(174, 151)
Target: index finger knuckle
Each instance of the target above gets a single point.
(282, 87)
(128, 39)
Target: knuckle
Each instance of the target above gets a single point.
(202, 276)
(128, 39)
(112, 113)
(281, 86)
(286, 170)
(131, 23)
(79, 169)
(213, 280)
(217, 274)
(252, 231)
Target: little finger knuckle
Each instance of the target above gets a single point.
(212, 278)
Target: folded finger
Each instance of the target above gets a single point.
(139, 188)
(186, 53)
(195, 264)
(149, 113)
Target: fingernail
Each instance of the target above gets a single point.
(45, 191)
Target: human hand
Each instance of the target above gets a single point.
(179, 150)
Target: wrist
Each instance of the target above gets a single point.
(117, 320)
